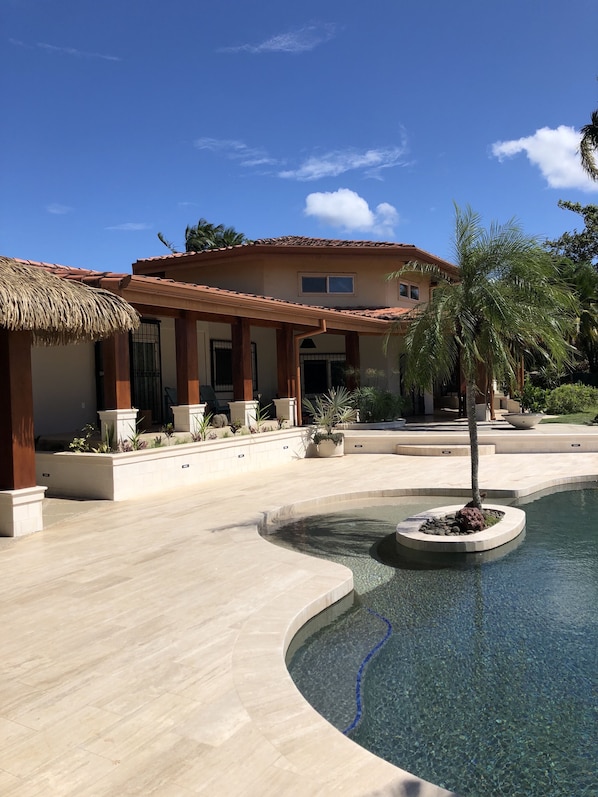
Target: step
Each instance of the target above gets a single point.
(422, 450)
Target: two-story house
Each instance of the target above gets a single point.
(280, 317)
(347, 276)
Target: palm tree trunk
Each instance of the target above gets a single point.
(470, 395)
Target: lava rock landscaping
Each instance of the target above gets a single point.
(468, 520)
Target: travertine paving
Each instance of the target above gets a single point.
(143, 642)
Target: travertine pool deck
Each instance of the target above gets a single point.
(143, 642)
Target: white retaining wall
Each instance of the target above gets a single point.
(116, 477)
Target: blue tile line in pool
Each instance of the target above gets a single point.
(360, 672)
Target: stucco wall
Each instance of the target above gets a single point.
(278, 275)
(245, 276)
(64, 397)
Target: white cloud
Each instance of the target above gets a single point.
(345, 209)
(554, 152)
(372, 161)
(235, 150)
(52, 48)
(130, 226)
(57, 209)
(298, 41)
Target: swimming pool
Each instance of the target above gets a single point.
(484, 681)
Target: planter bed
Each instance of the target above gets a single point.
(117, 477)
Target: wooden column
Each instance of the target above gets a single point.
(117, 372)
(187, 365)
(352, 359)
(17, 442)
(285, 357)
(241, 354)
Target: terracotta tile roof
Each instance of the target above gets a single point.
(94, 278)
(383, 313)
(284, 240)
(297, 241)
(300, 240)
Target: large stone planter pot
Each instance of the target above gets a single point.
(328, 448)
(523, 420)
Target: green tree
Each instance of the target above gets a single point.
(582, 279)
(508, 301)
(577, 259)
(581, 246)
(588, 147)
(205, 235)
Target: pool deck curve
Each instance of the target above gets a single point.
(143, 641)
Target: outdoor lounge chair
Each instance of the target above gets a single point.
(207, 397)
(212, 402)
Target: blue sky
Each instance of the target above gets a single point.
(337, 119)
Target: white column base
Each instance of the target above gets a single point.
(118, 424)
(482, 412)
(243, 412)
(187, 417)
(286, 410)
(21, 511)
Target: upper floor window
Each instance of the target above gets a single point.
(327, 283)
(407, 291)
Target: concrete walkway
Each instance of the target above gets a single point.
(143, 642)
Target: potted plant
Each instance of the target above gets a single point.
(533, 403)
(328, 411)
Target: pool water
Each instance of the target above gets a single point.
(486, 682)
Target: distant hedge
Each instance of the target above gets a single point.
(568, 399)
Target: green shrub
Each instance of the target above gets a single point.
(567, 399)
(532, 399)
(375, 404)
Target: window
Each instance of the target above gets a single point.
(320, 372)
(408, 291)
(327, 283)
(222, 365)
(146, 372)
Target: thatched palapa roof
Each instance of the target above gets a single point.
(56, 310)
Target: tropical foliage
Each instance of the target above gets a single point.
(508, 303)
(582, 279)
(568, 399)
(577, 254)
(580, 247)
(375, 404)
(205, 235)
(327, 411)
(588, 147)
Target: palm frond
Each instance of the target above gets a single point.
(588, 147)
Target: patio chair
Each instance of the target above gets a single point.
(169, 402)
(213, 404)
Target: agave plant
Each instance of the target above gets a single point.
(329, 410)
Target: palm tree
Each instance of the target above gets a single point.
(508, 301)
(589, 147)
(228, 236)
(205, 235)
(202, 235)
(582, 280)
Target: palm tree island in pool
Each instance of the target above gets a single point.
(509, 301)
